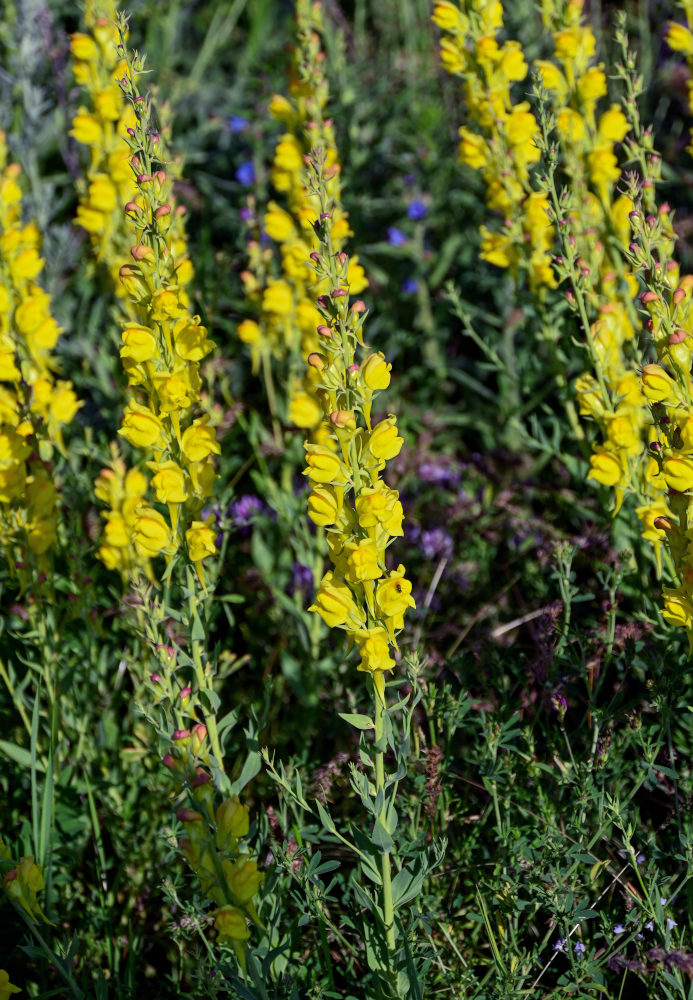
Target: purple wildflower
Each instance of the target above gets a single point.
(410, 286)
(237, 123)
(436, 544)
(242, 511)
(580, 948)
(395, 237)
(560, 944)
(417, 210)
(246, 173)
(301, 579)
(437, 472)
(619, 928)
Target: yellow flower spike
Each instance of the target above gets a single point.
(374, 648)
(6, 987)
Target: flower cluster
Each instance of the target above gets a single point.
(214, 833)
(162, 347)
(502, 146)
(596, 220)
(349, 498)
(668, 386)
(35, 406)
(284, 303)
(100, 124)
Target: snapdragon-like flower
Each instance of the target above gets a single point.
(35, 405)
(349, 497)
(501, 145)
(283, 292)
(163, 345)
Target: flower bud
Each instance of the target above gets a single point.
(325, 331)
(677, 337)
(376, 371)
(162, 211)
(649, 296)
(316, 361)
(358, 307)
(343, 418)
(678, 296)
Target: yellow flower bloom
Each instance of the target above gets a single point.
(324, 505)
(393, 594)
(335, 604)
(383, 442)
(151, 534)
(362, 562)
(200, 538)
(199, 441)
(678, 473)
(141, 427)
(169, 482)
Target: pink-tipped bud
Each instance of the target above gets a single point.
(162, 211)
(358, 307)
(649, 296)
(160, 176)
(130, 131)
(325, 215)
(315, 257)
(199, 735)
(634, 216)
(671, 265)
(141, 252)
(306, 159)
(342, 258)
(677, 337)
(155, 678)
(201, 778)
(343, 418)
(354, 370)
(649, 324)
(325, 331)
(189, 816)
(181, 734)
(635, 249)
(664, 208)
(144, 178)
(339, 293)
(171, 762)
(139, 100)
(663, 523)
(135, 161)
(316, 360)
(323, 301)
(655, 446)
(132, 206)
(678, 296)
(650, 220)
(184, 693)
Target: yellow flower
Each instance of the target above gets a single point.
(139, 343)
(199, 441)
(362, 561)
(200, 537)
(242, 879)
(304, 410)
(233, 822)
(473, 150)
(393, 594)
(375, 372)
(383, 442)
(447, 16)
(324, 505)
(324, 466)
(678, 608)
(141, 427)
(605, 468)
(248, 331)
(658, 385)
(6, 987)
(678, 473)
(335, 604)
(375, 655)
(169, 482)
(680, 38)
(151, 534)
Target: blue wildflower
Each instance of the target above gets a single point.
(246, 173)
(417, 210)
(395, 237)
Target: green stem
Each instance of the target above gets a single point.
(388, 908)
